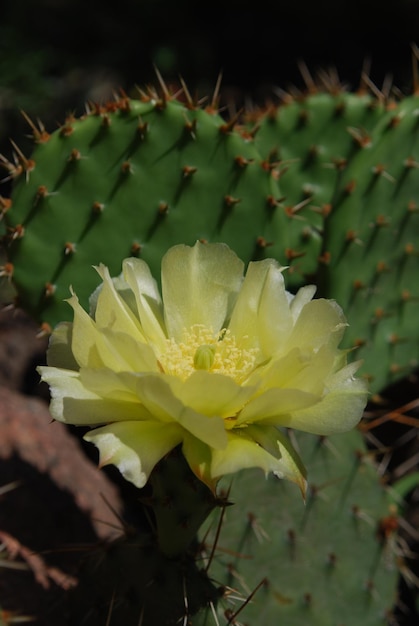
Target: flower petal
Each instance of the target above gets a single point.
(198, 457)
(276, 405)
(214, 394)
(262, 311)
(73, 403)
(59, 353)
(135, 447)
(320, 322)
(240, 453)
(276, 443)
(158, 393)
(339, 410)
(150, 310)
(199, 286)
(112, 312)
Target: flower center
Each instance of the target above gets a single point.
(202, 349)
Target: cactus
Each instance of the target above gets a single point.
(327, 562)
(135, 177)
(324, 182)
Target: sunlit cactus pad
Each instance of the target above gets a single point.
(328, 562)
(326, 182)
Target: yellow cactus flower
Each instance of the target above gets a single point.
(221, 363)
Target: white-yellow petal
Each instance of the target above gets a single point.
(199, 286)
(135, 447)
(262, 311)
(157, 393)
(242, 452)
(73, 403)
(214, 394)
(150, 309)
(112, 312)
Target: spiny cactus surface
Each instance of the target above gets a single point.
(134, 180)
(327, 183)
(323, 563)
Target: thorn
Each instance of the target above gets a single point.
(291, 254)
(358, 285)
(28, 165)
(188, 171)
(17, 232)
(410, 163)
(382, 267)
(69, 248)
(379, 170)
(14, 169)
(40, 135)
(261, 243)
(41, 193)
(5, 205)
(165, 90)
(381, 221)
(360, 136)
(7, 270)
(291, 211)
(214, 104)
(49, 290)
(66, 130)
(142, 128)
(242, 162)
(230, 201)
(98, 208)
(350, 187)
(163, 208)
(136, 248)
(106, 120)
(190, 127)
(190, 102)
(307, 77)
(325, 258)
(228, 126)
(75, 155)
(126, 168)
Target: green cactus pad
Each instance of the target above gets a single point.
(372, 240)
(323, 563)
(134, 180)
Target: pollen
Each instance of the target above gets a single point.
(203, 349)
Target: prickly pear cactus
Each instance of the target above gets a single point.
(327, 183)
(131, 178)
(329, 561)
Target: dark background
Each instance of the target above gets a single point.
(56, 54)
